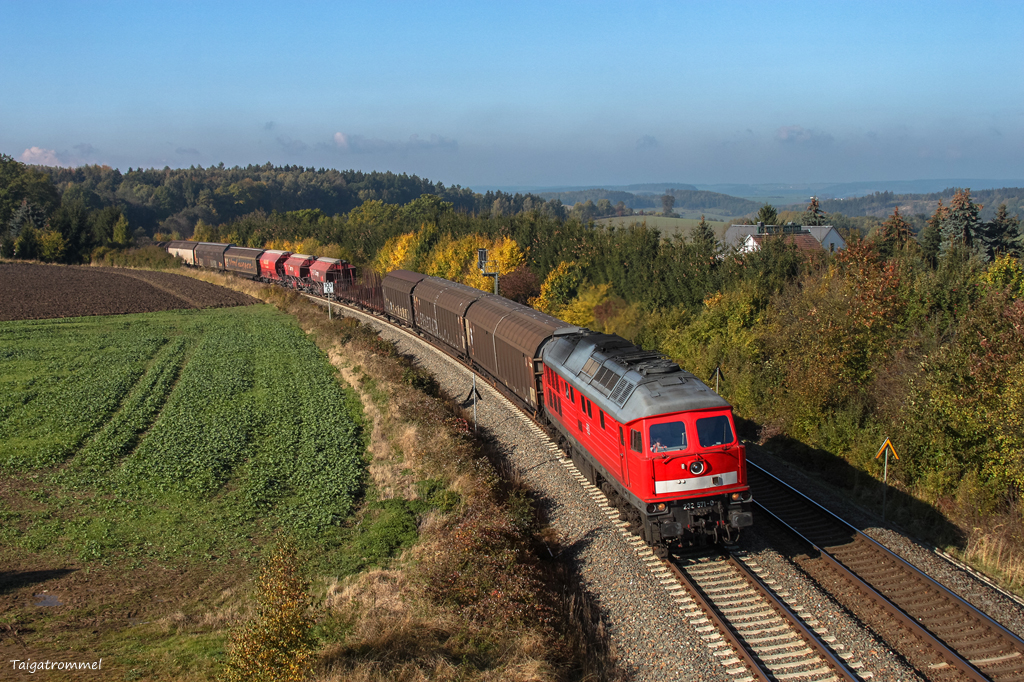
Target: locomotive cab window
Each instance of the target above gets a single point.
(667, 436)
(635, 441)
(712, 431)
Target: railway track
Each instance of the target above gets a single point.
(769, 641)
(954, 640)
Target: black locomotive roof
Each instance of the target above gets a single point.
(626, 382)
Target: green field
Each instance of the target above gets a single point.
(172, 436)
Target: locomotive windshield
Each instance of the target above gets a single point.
(713, 431)
(668, 436)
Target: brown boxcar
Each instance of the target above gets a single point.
(397, 289)
(243, 260)
(505, 338)
(211, 255)
(439, 307)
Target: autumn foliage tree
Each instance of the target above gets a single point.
(277, 645)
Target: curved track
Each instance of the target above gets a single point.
(952, 634)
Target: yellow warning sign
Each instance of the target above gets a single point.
(886, 444)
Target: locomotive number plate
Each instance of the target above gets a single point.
(700, 504)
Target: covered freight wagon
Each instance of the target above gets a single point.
(397, 290)
(242, 260)
(211, 255)
(185, 250)
(505, 339)
(439, 307)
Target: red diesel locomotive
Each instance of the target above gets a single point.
(658, 441)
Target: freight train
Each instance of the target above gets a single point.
(658, 442)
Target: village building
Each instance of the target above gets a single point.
(813, 238)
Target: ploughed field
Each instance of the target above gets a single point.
(145, 457)
(31, 291)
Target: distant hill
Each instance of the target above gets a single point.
(881, 204)
(687, 200)
(713, 202)
(571, 197)
(786, 193)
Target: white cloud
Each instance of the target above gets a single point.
(40, 157)
(341, 139)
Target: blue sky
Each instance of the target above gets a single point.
(523, 94)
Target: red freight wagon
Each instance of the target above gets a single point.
(338, 272)
(272, 264)
(296, 268)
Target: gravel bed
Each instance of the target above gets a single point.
(651, 635)
(841, 631)
(969, 585)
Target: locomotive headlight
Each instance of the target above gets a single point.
(735, 497)
(656, 507)
(697, 467)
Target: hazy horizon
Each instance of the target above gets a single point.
(532, 94)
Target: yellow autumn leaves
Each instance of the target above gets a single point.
(448, 257)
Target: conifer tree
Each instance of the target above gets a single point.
(931, 235)
(814, 216)
(703, 236)
(894, 234)
(961, 225)
(768, 215)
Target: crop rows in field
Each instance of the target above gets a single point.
(235, 404)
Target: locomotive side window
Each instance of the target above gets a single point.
(572, 394)
(622, 441)
(601, 413)
(590, 407)
(635, 441)
(713, 431)
(668, 436)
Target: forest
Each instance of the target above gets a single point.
(914, 332)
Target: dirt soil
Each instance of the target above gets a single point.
(65, 611)
(32, 291)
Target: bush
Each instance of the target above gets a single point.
(278, 644)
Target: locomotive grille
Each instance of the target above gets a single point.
(622, 391)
